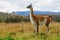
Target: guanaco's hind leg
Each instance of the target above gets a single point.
(47, 25)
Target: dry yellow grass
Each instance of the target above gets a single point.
(15, 27)
(25, 30)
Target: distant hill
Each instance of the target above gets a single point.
(9, 17)
(3, 15)
(20, 16)
(26, 13)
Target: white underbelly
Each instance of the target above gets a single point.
(42, 22)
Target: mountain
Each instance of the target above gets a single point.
(26, 13)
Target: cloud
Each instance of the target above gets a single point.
(6, 6)
(20, 5)
(51, 5)
(14, 5)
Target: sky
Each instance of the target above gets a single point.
(20, 5)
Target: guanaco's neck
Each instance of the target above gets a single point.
(31, 10)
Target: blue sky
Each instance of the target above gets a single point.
(20, 5)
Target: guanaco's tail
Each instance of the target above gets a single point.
(50, 19)
(50, 16)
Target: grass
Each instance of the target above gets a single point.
(24, 31)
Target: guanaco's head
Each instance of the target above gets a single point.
(30, 6)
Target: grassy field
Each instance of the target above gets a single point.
(24, 31)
